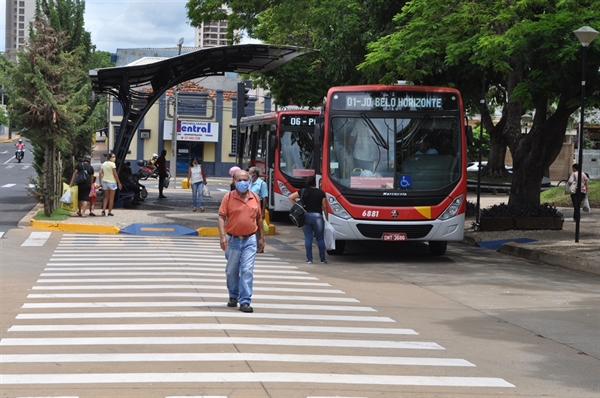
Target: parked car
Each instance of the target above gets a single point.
(472, 166)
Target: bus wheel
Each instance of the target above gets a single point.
(437, 248)
(340, 245)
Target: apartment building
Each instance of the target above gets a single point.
(19, 13)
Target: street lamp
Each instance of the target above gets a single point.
(174, 134)
(586, 35)
(526, 119)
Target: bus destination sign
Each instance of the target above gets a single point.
(298, 120)
(394, 101)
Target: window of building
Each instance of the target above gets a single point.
(21, 4)
(22, 19)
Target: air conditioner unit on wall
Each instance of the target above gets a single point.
(145, 134)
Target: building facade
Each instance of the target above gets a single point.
(19, 14)
(206, 125)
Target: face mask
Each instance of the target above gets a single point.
(242, 186)
(112, 159)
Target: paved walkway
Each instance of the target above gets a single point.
(551, 247)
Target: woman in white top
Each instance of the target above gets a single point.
(110, 181)
(197, 180)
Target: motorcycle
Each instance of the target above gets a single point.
(148, 171)
(19, 154)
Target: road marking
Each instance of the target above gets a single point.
(37, 239)
(195, 304)
(215, 357)
(8, 185)
(231, 377)
(190, 294)
(219, 286)
(259, 265)
(147, 273)
(201, 326)
(220, 280)
(182, 268)
(76, 341)
(155, 256)
(2, 234)
(201, 314)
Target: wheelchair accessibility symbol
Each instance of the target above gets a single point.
(405, 182)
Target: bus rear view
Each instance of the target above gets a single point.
(394, 161)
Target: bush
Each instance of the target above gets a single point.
(522, 210)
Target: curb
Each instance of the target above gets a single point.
(71, 227)
(557, 259)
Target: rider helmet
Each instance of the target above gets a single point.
(20, 140)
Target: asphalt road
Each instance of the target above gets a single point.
(14, 177)
(140, 316)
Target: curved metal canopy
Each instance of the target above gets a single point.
(121, 82)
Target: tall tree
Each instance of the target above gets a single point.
(530, 58)
(49, 101)
(339, 31)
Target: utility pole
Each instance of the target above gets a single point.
(174, 135)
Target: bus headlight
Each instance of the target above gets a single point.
(337, 208)
(284, 191)
(452, 210)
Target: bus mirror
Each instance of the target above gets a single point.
(469, 132)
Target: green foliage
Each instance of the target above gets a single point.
(339, 30)
(521, 210)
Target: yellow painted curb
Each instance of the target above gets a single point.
(214, 231)
(208, 231)
(71, 227)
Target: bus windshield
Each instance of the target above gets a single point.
(296, 153)
(377, 153)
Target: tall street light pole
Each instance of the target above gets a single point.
(586, 35)
(174, 134)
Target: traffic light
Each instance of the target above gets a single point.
(242, 99)
(246, 96)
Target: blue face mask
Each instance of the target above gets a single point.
(242, 186)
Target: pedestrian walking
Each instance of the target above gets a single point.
(109, 180)
(232, 172)
(259, 187)
(197, 181)
(84, 185)
(572, 182)
(161, 164)
(315, 204)
(239, 219)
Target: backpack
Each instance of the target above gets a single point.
(298, 212)
(82, 176)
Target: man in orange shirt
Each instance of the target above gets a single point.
(239, 218)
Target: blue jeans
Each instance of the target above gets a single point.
(197, 190)
(314, 225)
(239, 270)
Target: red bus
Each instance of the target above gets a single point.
(281, 144)
(394, 164)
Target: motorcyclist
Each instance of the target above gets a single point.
(20, 145)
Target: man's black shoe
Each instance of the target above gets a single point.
(162, 197)
(246, 308)
(232, 302)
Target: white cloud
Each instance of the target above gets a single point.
(137, 23)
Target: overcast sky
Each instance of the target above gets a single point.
(130, 23)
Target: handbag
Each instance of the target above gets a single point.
(298, 211)
(329, 235)
(82, 176)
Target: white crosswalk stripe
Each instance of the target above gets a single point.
(102, 301)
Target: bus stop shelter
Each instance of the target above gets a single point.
(125, 83)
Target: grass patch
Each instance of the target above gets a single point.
(557, 195)
(57, 215)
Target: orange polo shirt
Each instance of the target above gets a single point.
(241, 216)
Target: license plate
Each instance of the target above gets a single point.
(393, 236)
